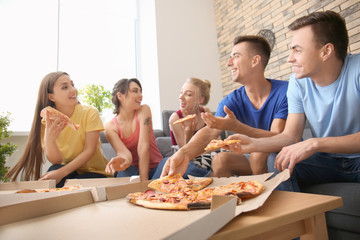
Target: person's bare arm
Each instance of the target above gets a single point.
(144, 142)
(91, 141)
(123, 158)
(179, 162)
(230, 123)
(183, 132)
(291, 155)
(292, 133)
(258, 160)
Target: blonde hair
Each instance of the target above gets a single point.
(203, 86)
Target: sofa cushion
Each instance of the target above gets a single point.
(164, 145)
(165, 121)
(348, 216)
(108, 151)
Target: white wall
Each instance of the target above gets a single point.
(187, 47)
(183, 45)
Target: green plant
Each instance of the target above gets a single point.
(96, 95)
(5, 149)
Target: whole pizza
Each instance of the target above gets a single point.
(176, 193)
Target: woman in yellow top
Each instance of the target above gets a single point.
(73, 153)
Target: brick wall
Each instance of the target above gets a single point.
(248, 17)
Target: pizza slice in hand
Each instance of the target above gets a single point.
(215, 144)
(53, 114)
(188, 117)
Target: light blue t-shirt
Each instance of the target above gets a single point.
(275, 106)
(332, 110)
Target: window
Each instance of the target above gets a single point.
(92, 40)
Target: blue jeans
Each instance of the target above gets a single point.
(192, 170)
(319, 168)
(132, 170)
(74, 175)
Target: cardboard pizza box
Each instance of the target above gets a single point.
(118, 217)
(27, 185)
(100, 182)
(19, 206)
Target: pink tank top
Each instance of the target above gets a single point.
(132, 142)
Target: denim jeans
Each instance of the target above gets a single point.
(319, 168)
(192, 170)
(74, 175)
(132, 170)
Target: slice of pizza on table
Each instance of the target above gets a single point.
(53, 114)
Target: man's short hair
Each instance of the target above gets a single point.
(259, 45)
(328, 27)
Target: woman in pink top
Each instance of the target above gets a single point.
(130, 133)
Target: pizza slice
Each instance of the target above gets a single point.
(177, 183)
(246, 190)
(53, 114)
(63, 189)
(188, 117)
(215, 144)
(204, 197)
(198, 183)
(167, 201)
(170, 184)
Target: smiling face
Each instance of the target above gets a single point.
(240, 62)
(64, 92)
(305, 55)
(133, 97)
(189, 100)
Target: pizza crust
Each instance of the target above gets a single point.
(215, 144)
(188, 117)
(53, 114)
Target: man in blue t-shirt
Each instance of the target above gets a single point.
(258, 108)
(325, 90)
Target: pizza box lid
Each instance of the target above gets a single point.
(17, 207)
(27, 185)
(134, 222)
(100, 182)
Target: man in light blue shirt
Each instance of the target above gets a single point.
(325, 90)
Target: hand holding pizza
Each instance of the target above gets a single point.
(189, 127)
(240, 147)
(53, 127)
(117, 164)
(222, 123)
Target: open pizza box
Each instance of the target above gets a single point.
(9, 186)
(19, 206)
(116, 217)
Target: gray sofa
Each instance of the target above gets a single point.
(343, 223)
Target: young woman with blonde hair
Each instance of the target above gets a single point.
(194, 95)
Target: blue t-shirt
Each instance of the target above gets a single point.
(275, 106)
(332, 110)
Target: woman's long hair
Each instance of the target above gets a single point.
(32, 158)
